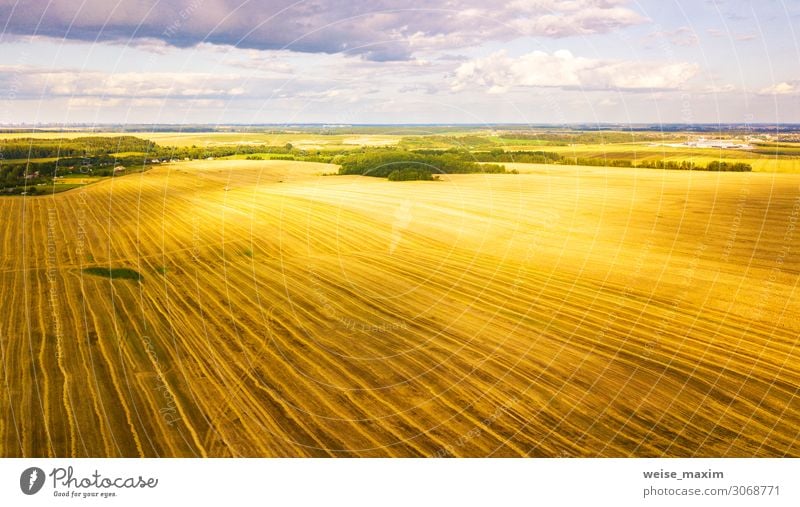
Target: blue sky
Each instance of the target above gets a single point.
(383, 61)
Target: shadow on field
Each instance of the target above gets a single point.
(115, 273)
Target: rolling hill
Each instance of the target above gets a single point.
(257, 308)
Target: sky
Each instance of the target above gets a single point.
(390, 61)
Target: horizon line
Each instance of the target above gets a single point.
(342, 125)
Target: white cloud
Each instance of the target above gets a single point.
(683, 36)
(560, 19)
(129, 85)
(783, 88)
(500, 72)
(135, 84)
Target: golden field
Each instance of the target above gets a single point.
(303, 140)
(761, 161)
(567, 311)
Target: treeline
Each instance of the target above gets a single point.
(605, 162)
(19, 176)
(251, 152)
(97, 166)
(25, 148)
(21, 170)
(549, 157)
(520, 157)
(22, 167)
(546, 138)
(96, 147)
(271, 157)
(465, 142)
(201, 152)
(683, 165)
(409, 165)
(565, 138)
(409, 175)
(399, 165)
(499, 155)
(724, 166)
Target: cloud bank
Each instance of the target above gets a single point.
(375, 29)
(782, 88)
(500, 72)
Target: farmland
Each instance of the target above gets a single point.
(761, 161)
(259, 308)
(184, 139)
(594, 148)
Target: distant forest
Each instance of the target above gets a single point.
(401, 165)
(398, 165)
(26, 163)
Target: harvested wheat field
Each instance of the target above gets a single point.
(256, 308)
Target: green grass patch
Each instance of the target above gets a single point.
(114, 273)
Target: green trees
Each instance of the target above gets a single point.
(400, 165)
(724, 166)
(409, 174)
(682, 165)
(601, 162)
(691, 166)
(21, 163)
(26, 148)
(520, 157)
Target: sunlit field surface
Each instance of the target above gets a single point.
(258, 308)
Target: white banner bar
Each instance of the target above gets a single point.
(400, 482)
